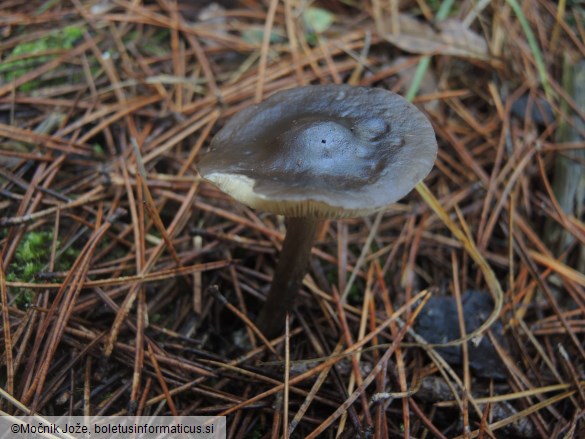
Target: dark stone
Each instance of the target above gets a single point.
(541, 112)
(438, 323)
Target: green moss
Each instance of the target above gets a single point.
(32, 257)
(59, 39)
(24, 298)
(32, 253)
(157, 45)
(98, 150)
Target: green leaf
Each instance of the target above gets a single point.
(317, 20)
(255, 34)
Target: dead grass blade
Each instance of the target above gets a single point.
(469, 246)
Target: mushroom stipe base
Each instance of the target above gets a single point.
(288, 277)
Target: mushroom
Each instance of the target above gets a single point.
(315, 152)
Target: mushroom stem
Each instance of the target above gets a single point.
(288, 278)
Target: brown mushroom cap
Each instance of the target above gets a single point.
(324, 151)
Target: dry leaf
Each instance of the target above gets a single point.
(450, 37)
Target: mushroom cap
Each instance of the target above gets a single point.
(324, 151)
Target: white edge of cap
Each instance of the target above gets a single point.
(241, 188)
